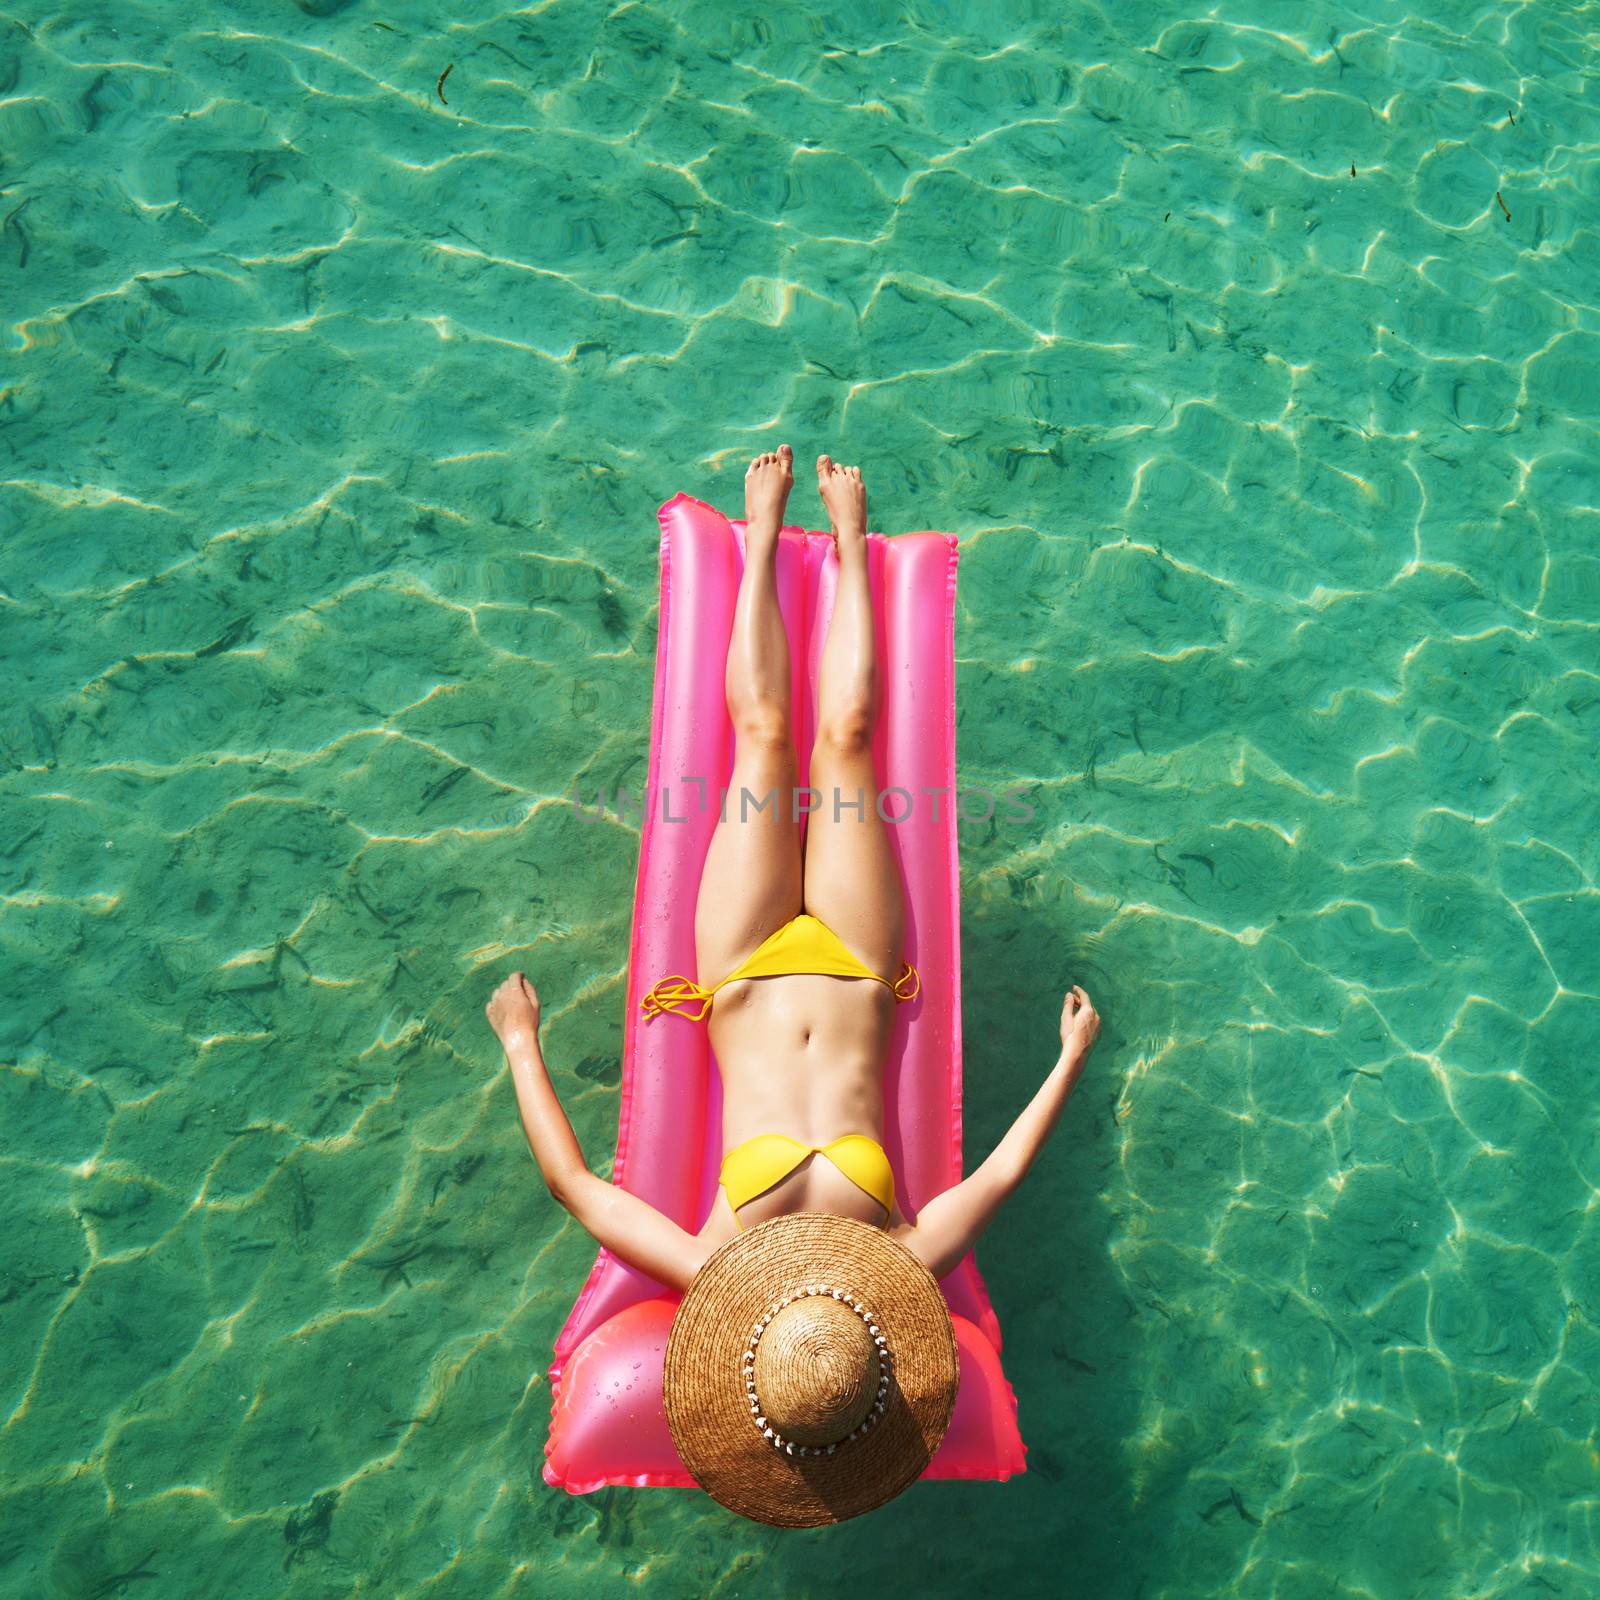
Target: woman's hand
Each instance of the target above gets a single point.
(513, 1011)
(1080, 1024)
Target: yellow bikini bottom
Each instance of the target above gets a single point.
(756, 1165)
(803, 944)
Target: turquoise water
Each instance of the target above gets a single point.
(334, 419)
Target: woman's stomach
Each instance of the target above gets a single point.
(801, 1054)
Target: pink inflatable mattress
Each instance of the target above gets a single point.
(607, 1423)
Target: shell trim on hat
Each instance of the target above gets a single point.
(885, 1356)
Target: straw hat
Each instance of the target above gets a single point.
(811, 1370)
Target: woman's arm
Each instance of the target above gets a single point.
(621, 1222)
(950, 1224)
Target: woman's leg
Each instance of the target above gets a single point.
(852, 878)
(750, 885)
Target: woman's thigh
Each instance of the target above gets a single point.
(751, 883)
(852, 875)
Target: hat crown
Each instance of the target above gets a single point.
(816, 1370)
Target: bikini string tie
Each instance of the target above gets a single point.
(676, 994)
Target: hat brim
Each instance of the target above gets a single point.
(709, 1415)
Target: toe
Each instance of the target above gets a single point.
(824, 465)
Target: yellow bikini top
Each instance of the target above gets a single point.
(803, 944)
(756, 1165)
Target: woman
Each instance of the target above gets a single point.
(801, 1045)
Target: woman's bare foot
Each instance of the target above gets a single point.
(767, 482)
(845, 496)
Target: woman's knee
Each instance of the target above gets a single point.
(847, 732)
(763, 725)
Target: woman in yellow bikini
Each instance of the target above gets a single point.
(808, 946)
